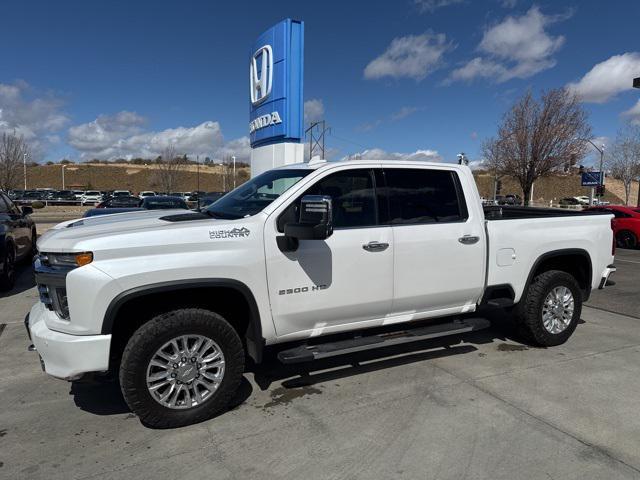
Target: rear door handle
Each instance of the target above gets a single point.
(375, 246)
(468, 239)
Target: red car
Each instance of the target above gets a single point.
(626, 224)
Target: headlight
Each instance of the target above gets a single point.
(69, 259)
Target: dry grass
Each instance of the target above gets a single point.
(127, 177)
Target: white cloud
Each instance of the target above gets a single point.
(412, 56)
(430, 6)
(379, 154)
(633, 114)
(123, 136)
(517, 47)
(35, 115)
(508, 3)
(313, 110)
(403, 113)
(608, 78)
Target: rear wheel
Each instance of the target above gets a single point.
(550, 309)
(181, 367)
(8, 272)
(626, 239)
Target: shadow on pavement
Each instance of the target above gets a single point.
(25, 280)
(100, 396)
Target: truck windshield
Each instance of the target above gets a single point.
(253, 196)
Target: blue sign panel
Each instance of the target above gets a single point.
(590, 179)
(275, 82)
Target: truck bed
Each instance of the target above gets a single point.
(507, 212)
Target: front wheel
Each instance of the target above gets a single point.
(8, 270)
(181, 367)
(549, 310)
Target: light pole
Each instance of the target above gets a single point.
(64, 165)
(636, 84)
(24, 162)
(233, 157)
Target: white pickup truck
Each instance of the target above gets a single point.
(173, 302)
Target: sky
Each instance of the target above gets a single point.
(420, 79)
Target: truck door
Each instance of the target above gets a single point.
(439, 246)
(347, 278)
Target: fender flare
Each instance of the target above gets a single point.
(254, 340)
(560, 253)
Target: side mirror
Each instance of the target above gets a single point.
(316, 222)
(27, 210)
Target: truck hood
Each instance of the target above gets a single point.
(65, 235)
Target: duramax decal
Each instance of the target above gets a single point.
(313, 288)
(233, 233)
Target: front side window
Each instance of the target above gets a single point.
(352, 196)
(4, 207)
(253, 196)
(417, 196)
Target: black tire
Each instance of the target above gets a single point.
(626, 239)
(28, 258)
(528, 312)
(8, 271)
(142, 346)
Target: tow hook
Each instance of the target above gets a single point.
(32, 348)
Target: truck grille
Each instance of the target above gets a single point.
(51, 282)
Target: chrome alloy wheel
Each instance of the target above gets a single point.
(557, 310)
(185, 371)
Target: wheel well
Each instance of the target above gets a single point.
(576, 264)
(132, 313)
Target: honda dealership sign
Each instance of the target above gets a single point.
(275, 84)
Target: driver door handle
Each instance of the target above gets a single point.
(468, 239)
(375, 246)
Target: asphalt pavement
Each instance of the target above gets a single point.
(483, 406)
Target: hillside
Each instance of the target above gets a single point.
(128, 177)
(145, 177)
(556, 187)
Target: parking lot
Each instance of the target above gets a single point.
(485, 406)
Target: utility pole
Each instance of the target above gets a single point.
(64, 165)
(24, 162)
(317, 131)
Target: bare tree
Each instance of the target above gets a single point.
(624, 159)
(170, 167)
(12, 151)
(491, 161)
(538, 137)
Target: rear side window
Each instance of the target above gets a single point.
(417, 196)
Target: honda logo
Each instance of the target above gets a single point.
(261, 78)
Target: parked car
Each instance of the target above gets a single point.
(146, 193)
(626, 224)
(512, 199)
(209, 198)
(91, 197)
(78, 194)
(121, 193)
(120, 202)
(172, 303)
(63, 196)
(163, 202)
(569, 201)
(583, 199)
(17, 239)
(94, 212)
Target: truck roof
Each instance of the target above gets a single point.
(315, 164)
